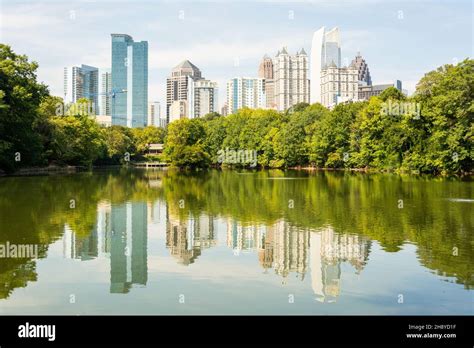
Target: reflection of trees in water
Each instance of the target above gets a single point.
(36, 211)
(361, 204)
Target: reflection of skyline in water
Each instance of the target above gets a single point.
(121, 234)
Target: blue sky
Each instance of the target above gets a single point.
(399, 39)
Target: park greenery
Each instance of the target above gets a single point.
(430, 132)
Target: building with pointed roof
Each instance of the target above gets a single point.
(362, 69)
(265, 71)
(290, 73)
(188, 94)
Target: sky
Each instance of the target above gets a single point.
(399, 39)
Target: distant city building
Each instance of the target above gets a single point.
(362, 69)
(338, 85)
(154, 115)
(178, 110)
(177, 84)
(105, 92)
(265, 71)
(81, 82)
(291, 79)
(104, 120)
(365, 92)
(129, 81)
(202, 97)
(325, 50)
(245, 92)
(224, 111)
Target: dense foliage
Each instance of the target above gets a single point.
(37, 129)
(433, 131)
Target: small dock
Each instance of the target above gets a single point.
(150, 164)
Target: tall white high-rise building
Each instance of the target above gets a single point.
(105, 92)
(325, 50)
(290, 73)
(81, 82)
(154, 115)
(202, 97)
(245, 92)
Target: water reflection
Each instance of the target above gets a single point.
(186, 239)
(315, 243)
(121, 235)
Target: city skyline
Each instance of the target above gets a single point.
(383, 40)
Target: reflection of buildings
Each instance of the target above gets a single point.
(328, 249)
(280, 246)
(244, 238)
(128, 257)
(121, 234)
(288, 249)
(156, 212)
(83, 248)
(187, 237)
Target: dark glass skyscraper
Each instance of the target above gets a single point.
(129, 81)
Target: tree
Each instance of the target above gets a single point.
(119, 142)
(392, 93)
(329, 143)
(21, 95)
(77, 139)
(146, 136)
(185, 145)
(446, 96)
(291, 143)
(211, 116)
(299, 107)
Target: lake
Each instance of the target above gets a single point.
(130, 241)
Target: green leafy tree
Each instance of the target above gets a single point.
(146, 136)
(21, 95)
(185, 144)
(77, 139)
(120, 143)
(447, 96)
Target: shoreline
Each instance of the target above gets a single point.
(39, 171)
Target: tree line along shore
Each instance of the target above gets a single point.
(431, 131)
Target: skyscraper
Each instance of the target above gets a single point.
(177, 83)
(325, 50)
(265, 71)
(202, 97)
(245, 92)
(81, 82)
(105, 92)
(362, 70)
(129, 81)
(154, 114)
(291, 79)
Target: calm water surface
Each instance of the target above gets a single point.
(227, 242)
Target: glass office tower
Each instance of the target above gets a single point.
(129, 81)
